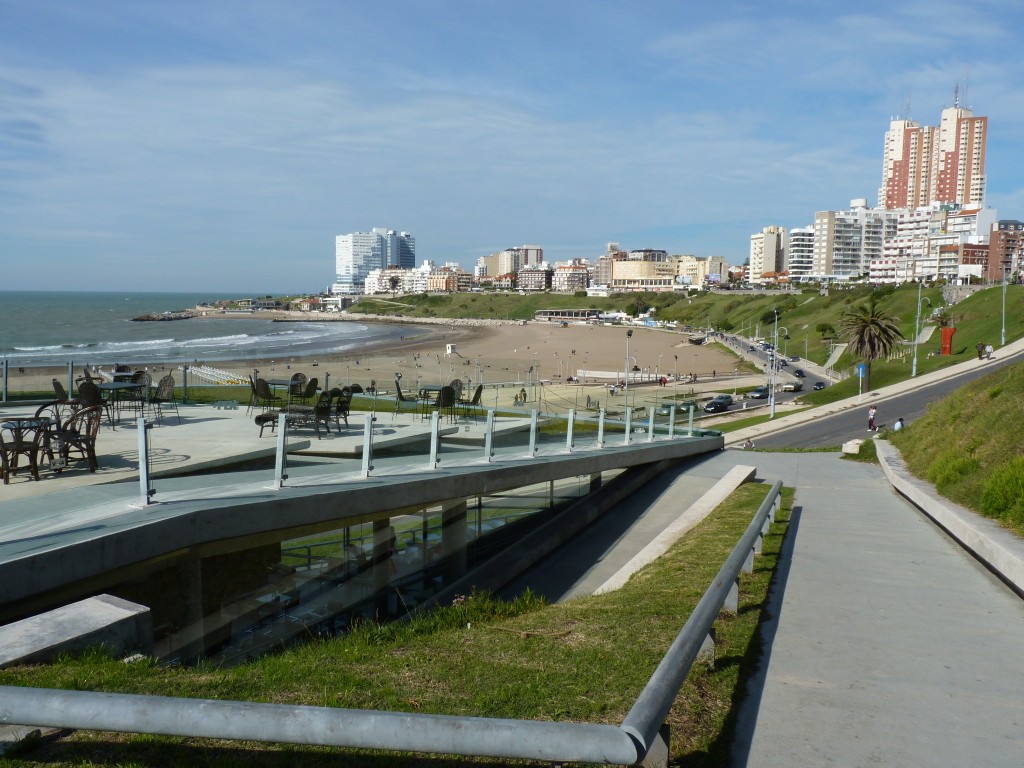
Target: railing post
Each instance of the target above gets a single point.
(533, 433)
(568, 431)
(145, 490)
(184, 384)
(691, 409)
(650, 426)
(600, 428)
(434, 439)
(279, 462)
(489, 436)
(367, 445)
(5, 379)
(671, 422)
(71, 378)
(629, 425)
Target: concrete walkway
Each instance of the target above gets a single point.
(887, 643)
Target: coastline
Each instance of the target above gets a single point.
(442, 349)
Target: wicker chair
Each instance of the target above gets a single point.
(265, 397)
(78, 436)
(308, 392)
(164, 396)
(89, 395)
(17, 441)
(59, 391)
(340, 405)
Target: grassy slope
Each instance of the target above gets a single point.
(971, 441)
(578, 661)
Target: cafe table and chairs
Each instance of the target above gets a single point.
(114, 395)
(22, 440)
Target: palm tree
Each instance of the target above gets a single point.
(872, 333)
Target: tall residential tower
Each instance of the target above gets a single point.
(942, 164)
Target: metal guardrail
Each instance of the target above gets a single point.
(627, 744)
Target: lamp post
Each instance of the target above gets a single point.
(657, 368)
(1002, 330)
(917, 328)
(773, 362)
(625, 369)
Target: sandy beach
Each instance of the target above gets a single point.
(473, 351)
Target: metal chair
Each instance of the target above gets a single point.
(297, 386)
(342, 402)
(59, 391)
(469, 407)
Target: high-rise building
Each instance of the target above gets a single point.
(359, 253)
(847, 242)
(800, 252)
(924, 165)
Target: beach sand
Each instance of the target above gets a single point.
(492, 352)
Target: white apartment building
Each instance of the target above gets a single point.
(846, 242)
(800, 253)
(569, 278)
(926, 244)
(767, 253)
(358, 253)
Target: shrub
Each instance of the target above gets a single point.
(1002, 495)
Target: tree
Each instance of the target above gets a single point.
(871, 333)
(393, 283)
(825, 329)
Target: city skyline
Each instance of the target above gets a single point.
(233, 143)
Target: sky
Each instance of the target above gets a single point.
(222, 145)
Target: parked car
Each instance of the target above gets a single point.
(799, 373)
(716, 406)
(794, 358)
(818, 385)
(792, 386)
(757, 393)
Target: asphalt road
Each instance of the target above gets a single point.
(829, 431)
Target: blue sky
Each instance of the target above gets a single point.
(222, 145)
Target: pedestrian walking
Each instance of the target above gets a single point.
(871, 419)
(988, 351)
(980, 346)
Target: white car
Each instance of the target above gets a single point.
(792, 386)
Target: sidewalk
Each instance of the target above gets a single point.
(886, 643)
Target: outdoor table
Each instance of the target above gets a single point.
(29, 436)
(286, 383)
(114, 391)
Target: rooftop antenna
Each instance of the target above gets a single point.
(967, 103)
(956, 95)
(906, 106)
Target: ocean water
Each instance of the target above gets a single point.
(46, 329)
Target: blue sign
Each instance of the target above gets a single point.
(860, 370)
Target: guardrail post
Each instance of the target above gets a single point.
(748, 564)
(650, 426)
(691, 409)
(707, 648)
(600, 428)
(629, 425)
(732, 600)
(533, 433)
(568, 431)
(367, 445)
(434, 439)
(489, 436)
(146, 492)
(279, 462)
(671, 422)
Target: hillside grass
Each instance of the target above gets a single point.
(577, 661)
(969, 445)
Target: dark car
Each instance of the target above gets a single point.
(757, 393)
(716, 406)
(799, 373)
(819, 385)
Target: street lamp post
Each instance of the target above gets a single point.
(657, 368)
(773, 363)
(1002, 331)
(629, 335)
(917, 328)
